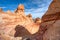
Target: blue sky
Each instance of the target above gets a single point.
(35, 7)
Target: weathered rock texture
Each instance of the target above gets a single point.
(37, 20)
(51, 21)
(9, 22)
(30, 17)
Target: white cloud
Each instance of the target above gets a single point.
(42, 8)
(38, 12)
(2, 7)
(36, 1)
(35, 15)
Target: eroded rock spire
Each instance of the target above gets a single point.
(20, 8)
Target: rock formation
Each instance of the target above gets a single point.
(51, 21)
(1, 10)
(54, 7)
(9, 12)
(20, 8)
(30, 17)
(37, 20)
(10, 20)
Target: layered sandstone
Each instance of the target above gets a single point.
(9, 21)
(30, 17)
(53, 11)
(37, 20)
(51, 22)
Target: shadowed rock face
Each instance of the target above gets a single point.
(54, 7)
(21, 31)
(50, 17)
(53, 33)
(51, 20)
(1, 10)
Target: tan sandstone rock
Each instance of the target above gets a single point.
(38, 20)
(0, 9)
(9, 21)
(9, 12)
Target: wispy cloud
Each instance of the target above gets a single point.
(38, 12)
(2, 7)
(42, 7)
(35, 7)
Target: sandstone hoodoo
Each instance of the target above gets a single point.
(20, 8)
(1, 10)
(11, 20)
(30, 17)
(9, 12)
(51, 20)
(38, 20)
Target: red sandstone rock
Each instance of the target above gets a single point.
(51, 20)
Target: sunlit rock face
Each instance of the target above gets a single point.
(9, 21)
(37, 20)
(20, 9)
(51, 21)
(30, 17)
(9, 12)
